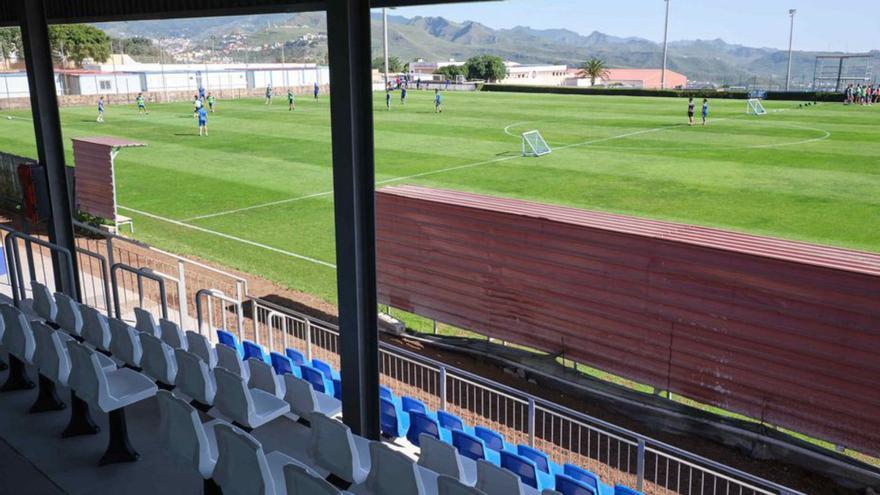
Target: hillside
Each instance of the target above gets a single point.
(436, 38)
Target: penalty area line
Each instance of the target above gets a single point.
(230, 237)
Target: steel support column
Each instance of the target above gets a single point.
(348, 29)
(50, 144)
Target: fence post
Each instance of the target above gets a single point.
(435, 327)
(308, 340)
(181, 293)
(640, 466)
(531, 425)
(442, 380)
(239, 296)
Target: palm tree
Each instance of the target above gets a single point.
(595, 68)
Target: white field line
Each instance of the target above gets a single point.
(424, 174)
(231, 238)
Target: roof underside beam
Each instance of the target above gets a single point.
(75, 11)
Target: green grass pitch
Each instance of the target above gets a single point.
(255, 194)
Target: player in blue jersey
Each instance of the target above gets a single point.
(705, 110)
(387, 99)
(269, 94)
(438, 102)
(403, 95)
(203, 121)
(317, 89)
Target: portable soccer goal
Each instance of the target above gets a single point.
(755, 107)
(533, 144)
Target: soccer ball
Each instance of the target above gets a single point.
(9, 117)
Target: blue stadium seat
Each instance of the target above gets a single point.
(319, 382)
(410, 404)
(230, 340)
(625, 490)
(295, 356)
(493, 439)
(473, 448)
(325, 368)
(283, 365)
(540, 459)
(393, 422)
(255, 351)
(452, 422)
(422, 423)
(567, 485)
(387, 393)
(588, 478)
(527, 471)
(337, 388)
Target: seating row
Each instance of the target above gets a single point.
(249, 388)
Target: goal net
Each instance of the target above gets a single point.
(533, 144)
(755, 107)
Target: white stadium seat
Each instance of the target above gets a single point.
(228, 359)
(393, 473)
(171, 334)
(96, 328)
(335, 449)
(69, 317)
(249, 408)
(158, 360)
(300, 481)
(494, 480)
(145, 322)
(44, 303)
(186, 438)
(199, 345)
(125, 343)
(263, 377)
(447, 485)
(443, 458)
(304, 400)
(194, 379)
(111, 392)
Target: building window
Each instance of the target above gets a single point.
(105, 85)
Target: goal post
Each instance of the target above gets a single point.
(755, 107)
(533, 144)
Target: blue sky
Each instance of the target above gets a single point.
(819, 25)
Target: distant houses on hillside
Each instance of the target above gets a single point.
(562, 75)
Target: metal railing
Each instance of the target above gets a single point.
(616, 454)
(140, 274)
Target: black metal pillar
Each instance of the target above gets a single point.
(50, 144)
(348, 29)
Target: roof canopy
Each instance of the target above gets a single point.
(70, 11)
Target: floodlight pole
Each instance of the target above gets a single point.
(665, 47)
(385, 41)
(791, 12)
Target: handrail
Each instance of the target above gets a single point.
(104, 273)
(16, 277)
(634, 438)
(140, 273)
(223, 297)
(109, 236)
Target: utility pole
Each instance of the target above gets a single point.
(385, 41)
(791, 12)
(665, 47)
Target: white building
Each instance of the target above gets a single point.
(535, 75)
(102, 79)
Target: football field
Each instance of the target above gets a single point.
(256, 194)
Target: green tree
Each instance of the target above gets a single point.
(138, 47)
(452, 72)
(76, 42)
(486, 67)
(394, 64)
(595, 68)
(10, 42)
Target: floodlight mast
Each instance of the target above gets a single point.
(665, 47)
(791, 12)
(385, 41)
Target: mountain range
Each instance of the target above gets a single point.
(439, 39)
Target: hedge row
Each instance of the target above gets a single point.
(668, 93)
